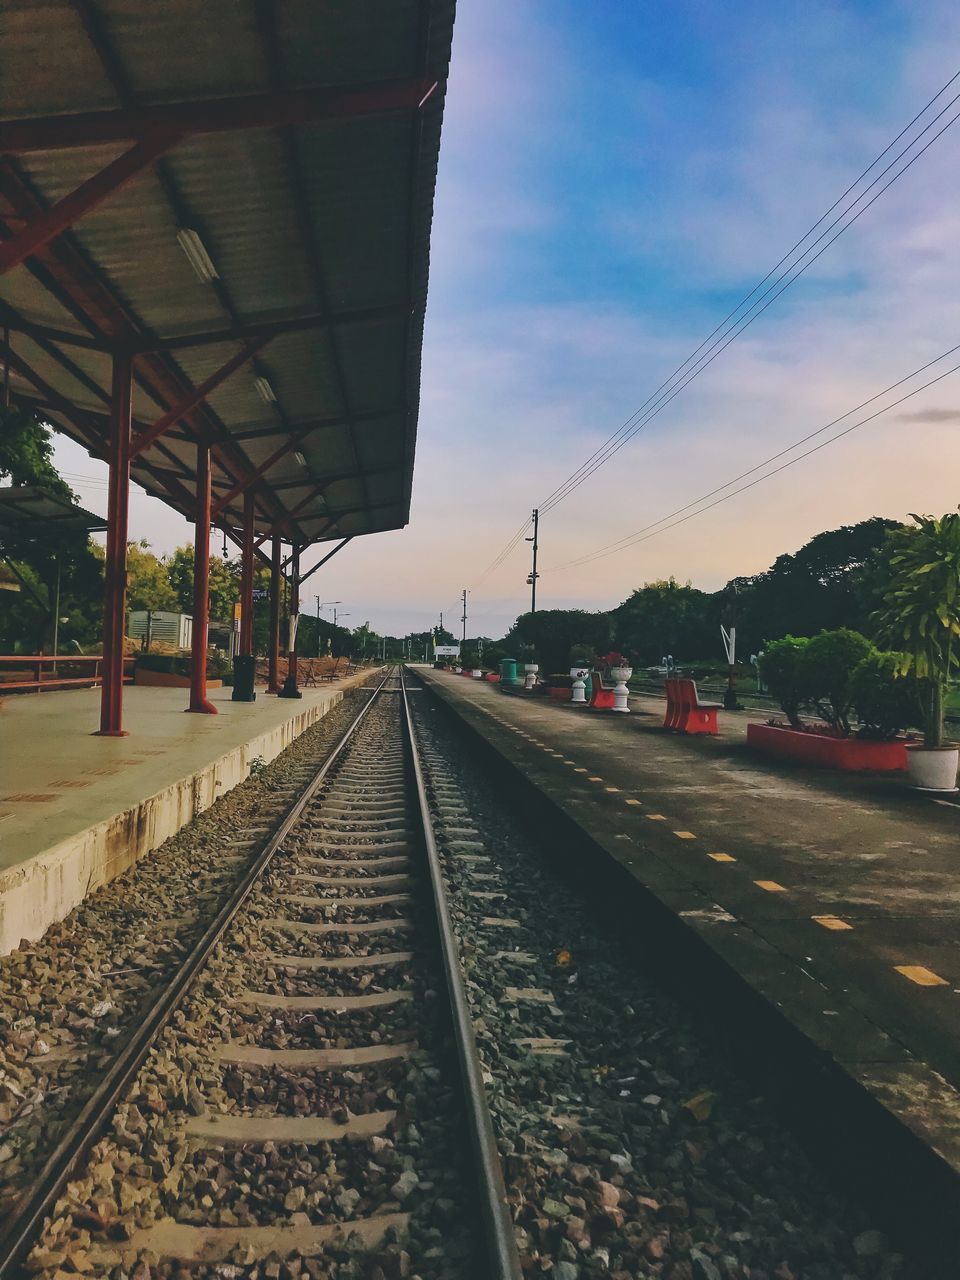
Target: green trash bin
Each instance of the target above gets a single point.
(508, 671)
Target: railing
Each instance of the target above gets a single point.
(26, 670)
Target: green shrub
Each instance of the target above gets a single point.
(885, 701)
(781, 671)
(828, 663)
(219, 667)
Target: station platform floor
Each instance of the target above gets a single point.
(77, 809)
(835, 899)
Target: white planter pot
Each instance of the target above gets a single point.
(579, 694)
(477, 673)
(530, 674)
(621, 675)
(933, 770)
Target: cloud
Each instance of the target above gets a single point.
(931, 415)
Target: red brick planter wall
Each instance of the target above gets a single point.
(851, 755)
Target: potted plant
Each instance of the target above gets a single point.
(831, 673)
(621, 671)
(920, 616)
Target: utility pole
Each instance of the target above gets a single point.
(464, 618)
(533, 575)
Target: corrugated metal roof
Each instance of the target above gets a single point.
(318, 217)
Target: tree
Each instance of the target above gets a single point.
(920, 615)
(148, 582)
(667, 616)
(224, 583)
(42, 559)
(551, 633)
(26, 452)
(831, 582)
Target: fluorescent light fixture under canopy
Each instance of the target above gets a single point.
(197, 255)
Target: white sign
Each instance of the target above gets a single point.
(446, 651)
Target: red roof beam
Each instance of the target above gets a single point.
(46, 226)
(328, 556)
(257, 472)
(211, 115)
(283, 523)
(197, 396)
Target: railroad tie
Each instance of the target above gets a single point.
(379, 959)
(222, 1129)
(345, 882)
(251, 1055)
(341, 926)
(336, 1004)
(171, 1239)
(395, 860)
(308, 900)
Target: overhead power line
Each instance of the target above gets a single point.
(696, 362)
(745, 320)
(669, 521)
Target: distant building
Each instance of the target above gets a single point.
(153, 625)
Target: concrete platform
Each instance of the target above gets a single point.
(827, 905)
(76, 810)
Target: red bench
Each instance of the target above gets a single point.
(601, 695)
(685, 712)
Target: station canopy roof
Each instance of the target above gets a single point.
(240, 193)
(30, 513)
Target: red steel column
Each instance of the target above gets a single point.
(201, 588)
(273, 682)
(290, 689)
(115, 597)
(246, 577)
(244, 667)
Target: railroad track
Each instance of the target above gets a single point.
(292, 1092)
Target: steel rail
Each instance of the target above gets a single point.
(499, 1239)
(20, 1230)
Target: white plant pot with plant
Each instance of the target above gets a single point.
(477, 673)
(578, 695)
(920, 617)
(530, 670)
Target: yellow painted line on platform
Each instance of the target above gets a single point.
(580, 770)
(594, 778)
(831, 922)
(722, 857)
(569, 761)
(656, 817)
(771, 886)
(921, 975)
(611, 789)
(633, 802)
(685, 835)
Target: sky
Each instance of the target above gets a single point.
(614, 178)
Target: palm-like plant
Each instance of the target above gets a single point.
(920, 615)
